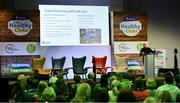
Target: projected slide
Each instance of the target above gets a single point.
(73, 25)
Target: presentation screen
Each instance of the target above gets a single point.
(73, 25)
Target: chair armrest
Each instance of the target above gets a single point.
(109, 67)
(67, 69)
(86, 68)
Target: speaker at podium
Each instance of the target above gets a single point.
(148, 61)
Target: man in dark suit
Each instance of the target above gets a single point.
(146, 50)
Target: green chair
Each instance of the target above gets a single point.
(58, 65)
(78, 66)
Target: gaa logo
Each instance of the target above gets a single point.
(31, 48)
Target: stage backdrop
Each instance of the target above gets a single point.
(19, 41)
(129, 32)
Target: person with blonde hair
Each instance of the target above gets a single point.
(41, 86)
(113, 93)
(48, 95)
(83, 93)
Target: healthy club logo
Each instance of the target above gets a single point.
(19, 25)
(130, 25)
(31, 48)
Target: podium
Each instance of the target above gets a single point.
(149, 66)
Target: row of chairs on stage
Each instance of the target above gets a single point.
(78, 66)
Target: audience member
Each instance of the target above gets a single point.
(52, 82)
(126, 95)
(164, 96)
(83, 93)
(61, 98)
(151, 87)
(113, 93)
(28, 94)
(18, 88)
(61, 87)
(41, 86)
(48, 95)
(139, 90)
(168, 86)
(102, 95)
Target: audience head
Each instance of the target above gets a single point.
(159, 81)
(52, 81)
(126, 75)
(59, 75)
(126, 95)
(116, 85)
(21, 76)
(102, 95)
(29, 81)
(83, 93)
(125, 83)
(104, 80)
(61, 87)
(111, 78)
(169, 78)
(77, 78)
(41, 86)
(48, 94)
(139, 84)
(61, 98)
(91, 75)
(151, 84)
(35, 83)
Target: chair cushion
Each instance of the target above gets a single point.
(100, 71)
(44, 71)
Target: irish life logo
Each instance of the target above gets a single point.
(130, 25)
(19, 25)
